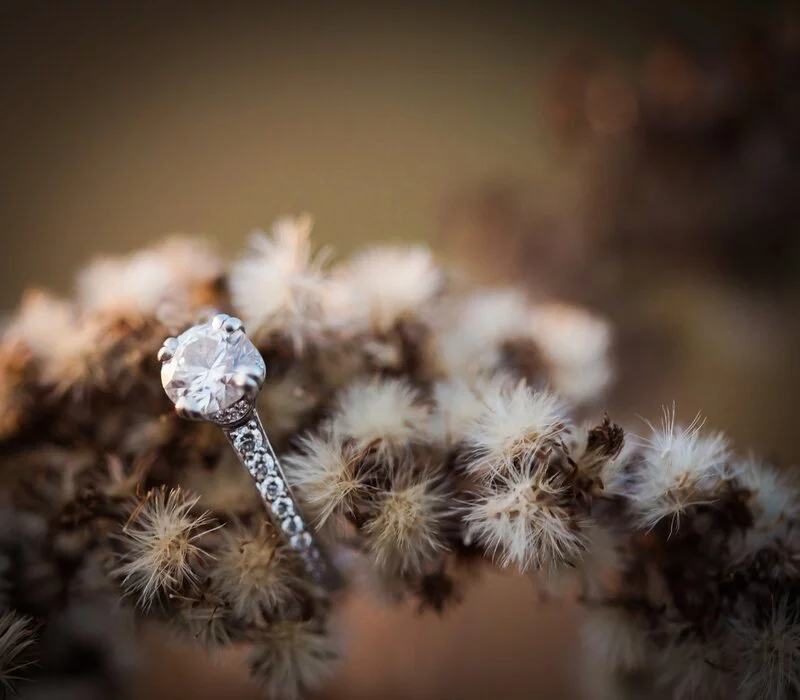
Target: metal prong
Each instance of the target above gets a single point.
(249, 379)
(218, 321)
(232, 324)
(186, 410)
(168, 349)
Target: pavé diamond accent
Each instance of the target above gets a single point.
(204, 367)
(254, 449)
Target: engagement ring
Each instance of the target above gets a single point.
(212, 372)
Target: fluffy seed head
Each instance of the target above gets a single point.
(382, 285)
(406, 532)
(774, 496)
(206, 618)
(325, 475)
(42, 318)
(381, 415)
(279, 286)
(766, 651)
(575, 344)
(472, 340)
(515, 421)
(16, 639)
(132, 287)
(524, 519)
(291, 658)
(691, 670)
(160, 545)
(680, 468)
(458, 405)
(615, 642)
(250, 572)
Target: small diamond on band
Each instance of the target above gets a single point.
(212, 372)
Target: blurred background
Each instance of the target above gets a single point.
(641, 159)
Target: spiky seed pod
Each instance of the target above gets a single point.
(279, 287)
(251, 573)
(380, 417)
(293, 657)
(161, 545)
(515, 422)
(17, 638)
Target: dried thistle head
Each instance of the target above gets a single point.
(17, 638)
(293, 657)
(251, 572)
(327, 475)
(160, 546)
(406, 534)
(763, 643)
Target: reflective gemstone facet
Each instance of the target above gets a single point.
(204, 367)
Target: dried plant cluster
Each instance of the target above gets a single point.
(425, 426)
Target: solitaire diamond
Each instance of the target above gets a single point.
(211, 369)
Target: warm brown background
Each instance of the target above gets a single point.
(121, 123)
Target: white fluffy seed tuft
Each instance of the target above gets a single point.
(406, 533)
(250, 573)
(381, 415)
(521, 520)
(458, 405)
(575, 344)
(324, 475)
(680, 468)
(614, 641)
(515, 421)
(160, 545)
(279, 286)
(383, 285)
(131, 287)
(471, 342)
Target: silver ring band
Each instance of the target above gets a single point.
(253, 447)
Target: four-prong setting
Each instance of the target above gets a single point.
(212, 371)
